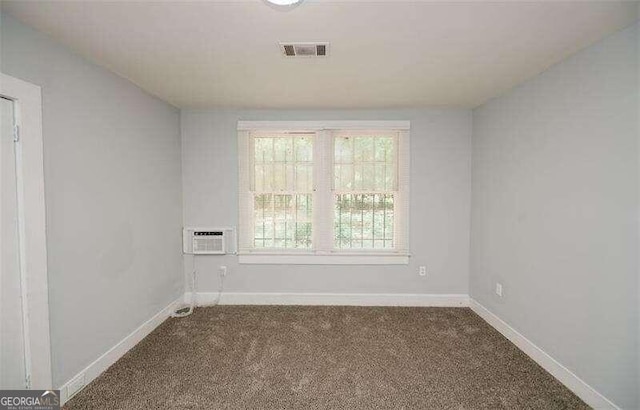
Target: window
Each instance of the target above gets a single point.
(332, 192)
(364, 172)
(282, 186)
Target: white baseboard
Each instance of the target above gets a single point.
(103, 362)
(581, 389)
(587, 393)
(337, 299)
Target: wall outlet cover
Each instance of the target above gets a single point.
(499, 289)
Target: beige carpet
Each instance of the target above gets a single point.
(299, 357)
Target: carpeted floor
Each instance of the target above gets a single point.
(304, 357)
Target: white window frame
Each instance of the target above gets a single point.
(323, 253)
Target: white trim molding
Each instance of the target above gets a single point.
(102, 363)
(336, 299)
(27, 99)
(587, 393)
(323, 191)
(330, 259)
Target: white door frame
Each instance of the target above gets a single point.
(31, 210)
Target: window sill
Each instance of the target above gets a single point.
(333, 259)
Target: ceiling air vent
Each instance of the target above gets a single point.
(304, 49)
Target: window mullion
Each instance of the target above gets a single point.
(322, 201)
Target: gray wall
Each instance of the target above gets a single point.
(555, 213)
(440, 198)
(112, 176)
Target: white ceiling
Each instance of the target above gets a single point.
(383, 53)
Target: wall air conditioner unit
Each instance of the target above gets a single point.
(204, 242)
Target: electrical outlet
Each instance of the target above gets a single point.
(499, 289)
(223, 270)
(75, 385)
(422, 271)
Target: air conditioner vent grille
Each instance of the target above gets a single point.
(304, 49)
(289, 50)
